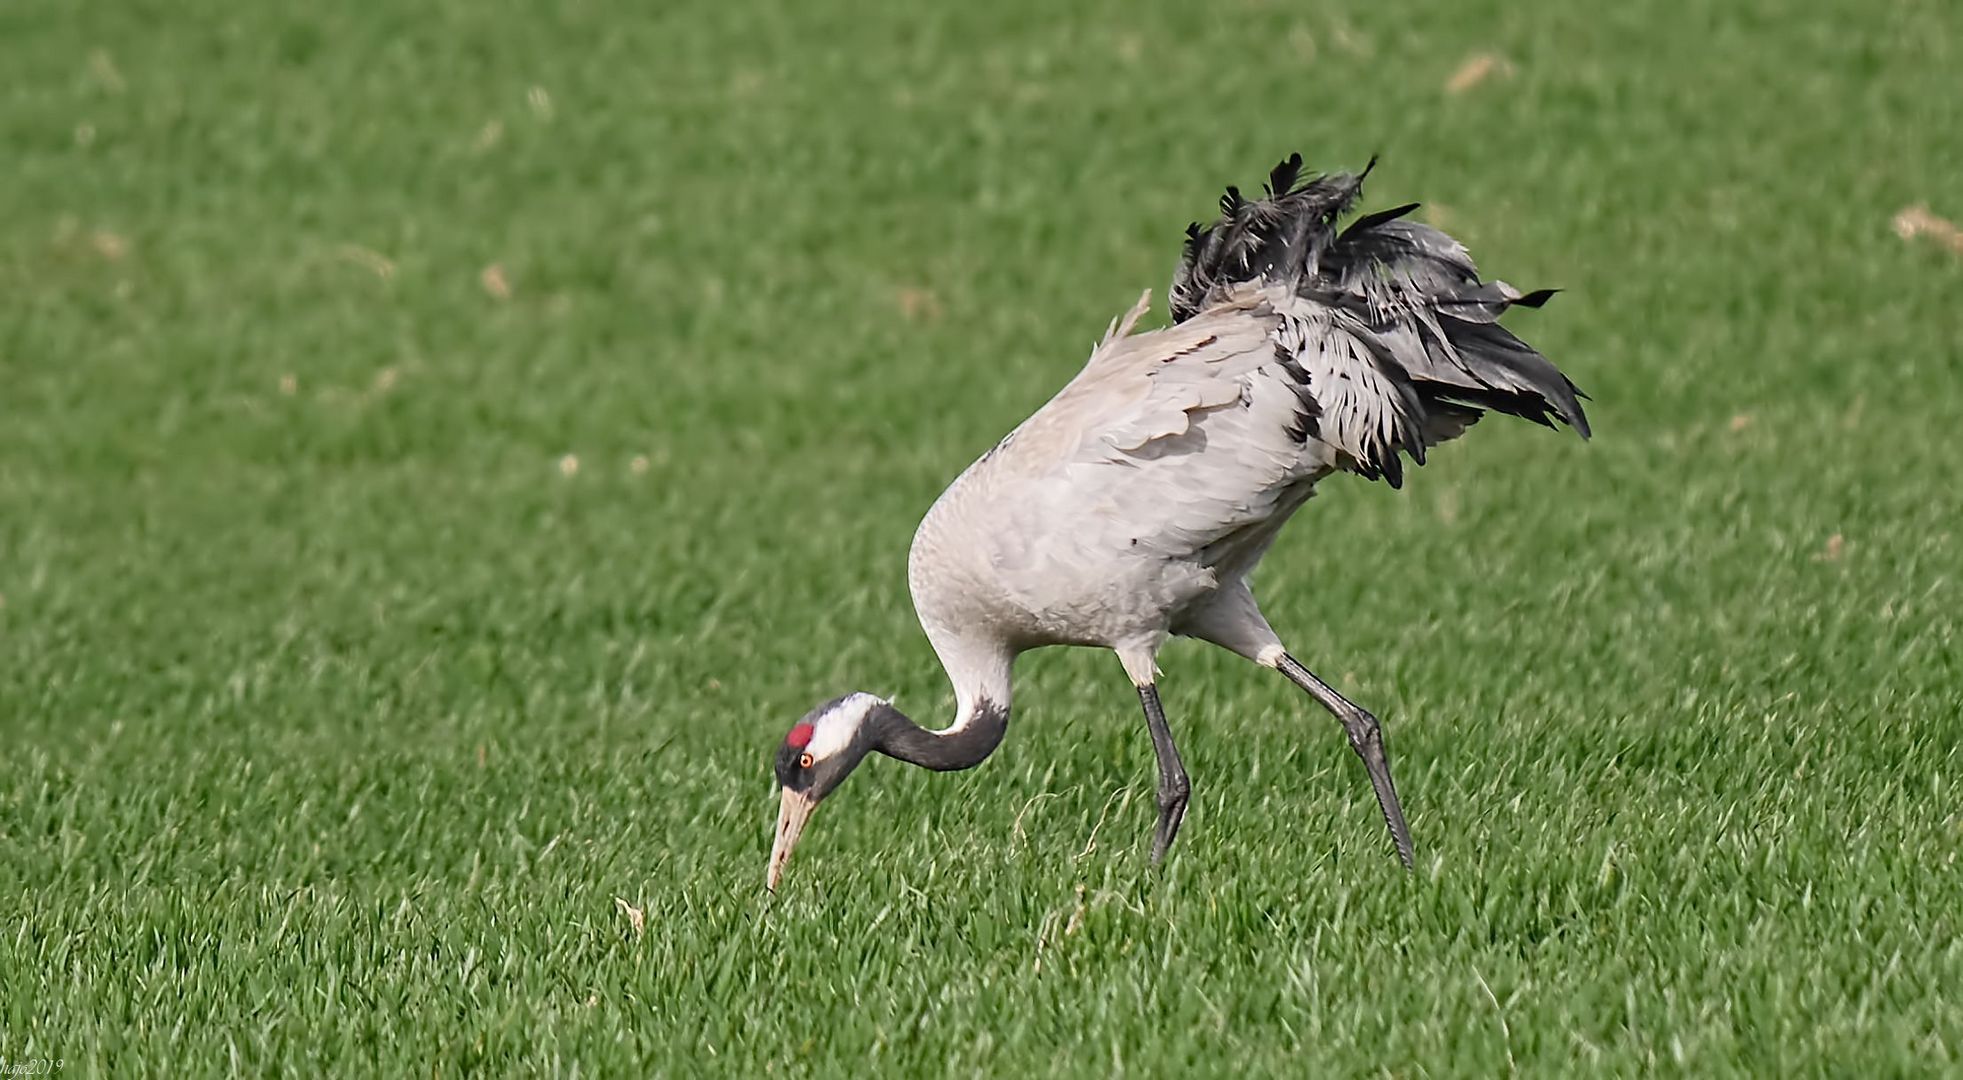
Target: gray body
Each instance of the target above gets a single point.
(1133, 505)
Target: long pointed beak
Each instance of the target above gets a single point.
(792, 812)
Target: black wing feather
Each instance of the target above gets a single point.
(1410, 293)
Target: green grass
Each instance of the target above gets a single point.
(335, 715)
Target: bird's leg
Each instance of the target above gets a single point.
(1366, 738)
(1174, 789)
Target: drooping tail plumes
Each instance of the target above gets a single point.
(1407, 295)
(1277, 238)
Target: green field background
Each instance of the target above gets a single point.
(443, 447)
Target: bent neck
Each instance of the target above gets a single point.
(964, 745)
(980, 671)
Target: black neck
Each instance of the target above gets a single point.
(961, 747)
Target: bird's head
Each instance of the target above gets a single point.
(817, 755)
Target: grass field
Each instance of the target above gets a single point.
(441, 453)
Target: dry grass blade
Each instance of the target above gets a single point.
(1918, 221)
(1477, 69)
(496, 282)
(636, 918)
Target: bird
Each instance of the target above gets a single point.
(1135, 504)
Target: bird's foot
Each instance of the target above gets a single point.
(1367, 739)
(1172, 812)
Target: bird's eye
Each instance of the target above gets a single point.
(804, 761)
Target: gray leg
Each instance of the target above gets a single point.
(1366, 738)
(1174, 789)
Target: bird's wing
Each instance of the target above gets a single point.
(1138, 388)
(1389, 318)
(1349, 381)
(1170, 440)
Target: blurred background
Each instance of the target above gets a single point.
(442, 447)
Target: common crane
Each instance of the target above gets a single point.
(1134, 505)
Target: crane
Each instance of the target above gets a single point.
(1136, 502)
